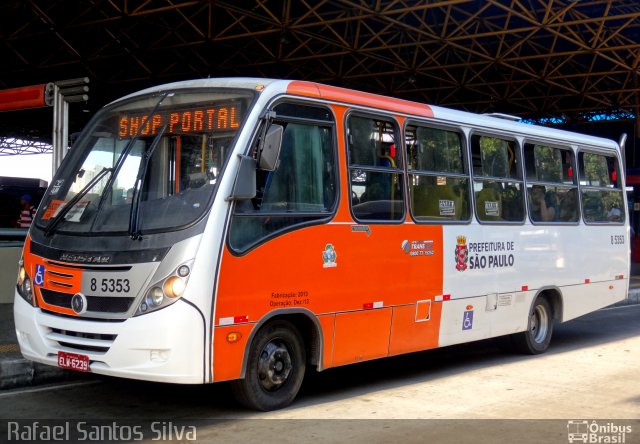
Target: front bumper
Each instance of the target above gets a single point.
(164, 346)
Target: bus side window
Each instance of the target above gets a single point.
(375, 169)
(497, 184)
(551, 186)
(601, 189)
(301, 190)
(438, 182)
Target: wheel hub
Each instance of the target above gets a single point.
(539, 324)
(274, 366)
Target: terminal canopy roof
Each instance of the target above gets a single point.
(532, 58)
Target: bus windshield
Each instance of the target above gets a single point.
(148, 164)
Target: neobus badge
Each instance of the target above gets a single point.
(79, 303)
(86, 258)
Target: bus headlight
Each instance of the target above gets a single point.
(154, 297)
(174, 287)
(165, 292)
(24, 285)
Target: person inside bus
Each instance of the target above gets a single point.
(614, 215)
(544, 206)
(489, 201)
(512, 205)
(569, 206)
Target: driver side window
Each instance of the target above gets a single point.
(302, 190)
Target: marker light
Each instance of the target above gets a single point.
(174, 287)
(234, 336)
(183, 271)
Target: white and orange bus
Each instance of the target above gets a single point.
(246, 229)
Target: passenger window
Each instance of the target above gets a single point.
(301, 190)
(552, 191)
(438, 184)
(601, 189)
(497, 183)
(375, 169)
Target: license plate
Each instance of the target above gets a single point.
(108, 284)
(73, 361)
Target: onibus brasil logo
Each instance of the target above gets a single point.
(593, 432)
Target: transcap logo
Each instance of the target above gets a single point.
(594, 432)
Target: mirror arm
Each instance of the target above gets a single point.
(244, 186)
(267, 117)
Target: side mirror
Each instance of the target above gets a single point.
(270, 148)
(245, 185)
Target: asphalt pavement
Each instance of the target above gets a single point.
(15, 371)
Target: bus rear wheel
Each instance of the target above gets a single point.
(275, 368)
(536, 338)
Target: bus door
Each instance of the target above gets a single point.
(399, 264)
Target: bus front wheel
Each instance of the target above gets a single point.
(536, 338)
(275, 368)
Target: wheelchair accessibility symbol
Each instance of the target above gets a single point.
(39, 277)
(467, 320)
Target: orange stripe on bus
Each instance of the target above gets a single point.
(73, 283)
(309, 89)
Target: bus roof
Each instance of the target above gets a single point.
(359, 98)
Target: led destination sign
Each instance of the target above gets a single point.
(196, 120)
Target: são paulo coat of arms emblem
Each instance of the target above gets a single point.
(462, 256)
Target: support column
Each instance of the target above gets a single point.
(60, 128)
(65, 92)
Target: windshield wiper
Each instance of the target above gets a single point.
(74, 200)
(134, 218)
(127, 149)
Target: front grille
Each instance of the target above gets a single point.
(77, 334)
(108, 304)
(56, 298)
(58, 278)
(87, 348)
(96, 304)
(89, 342)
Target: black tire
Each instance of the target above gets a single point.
(275, 368)
(536, 338)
